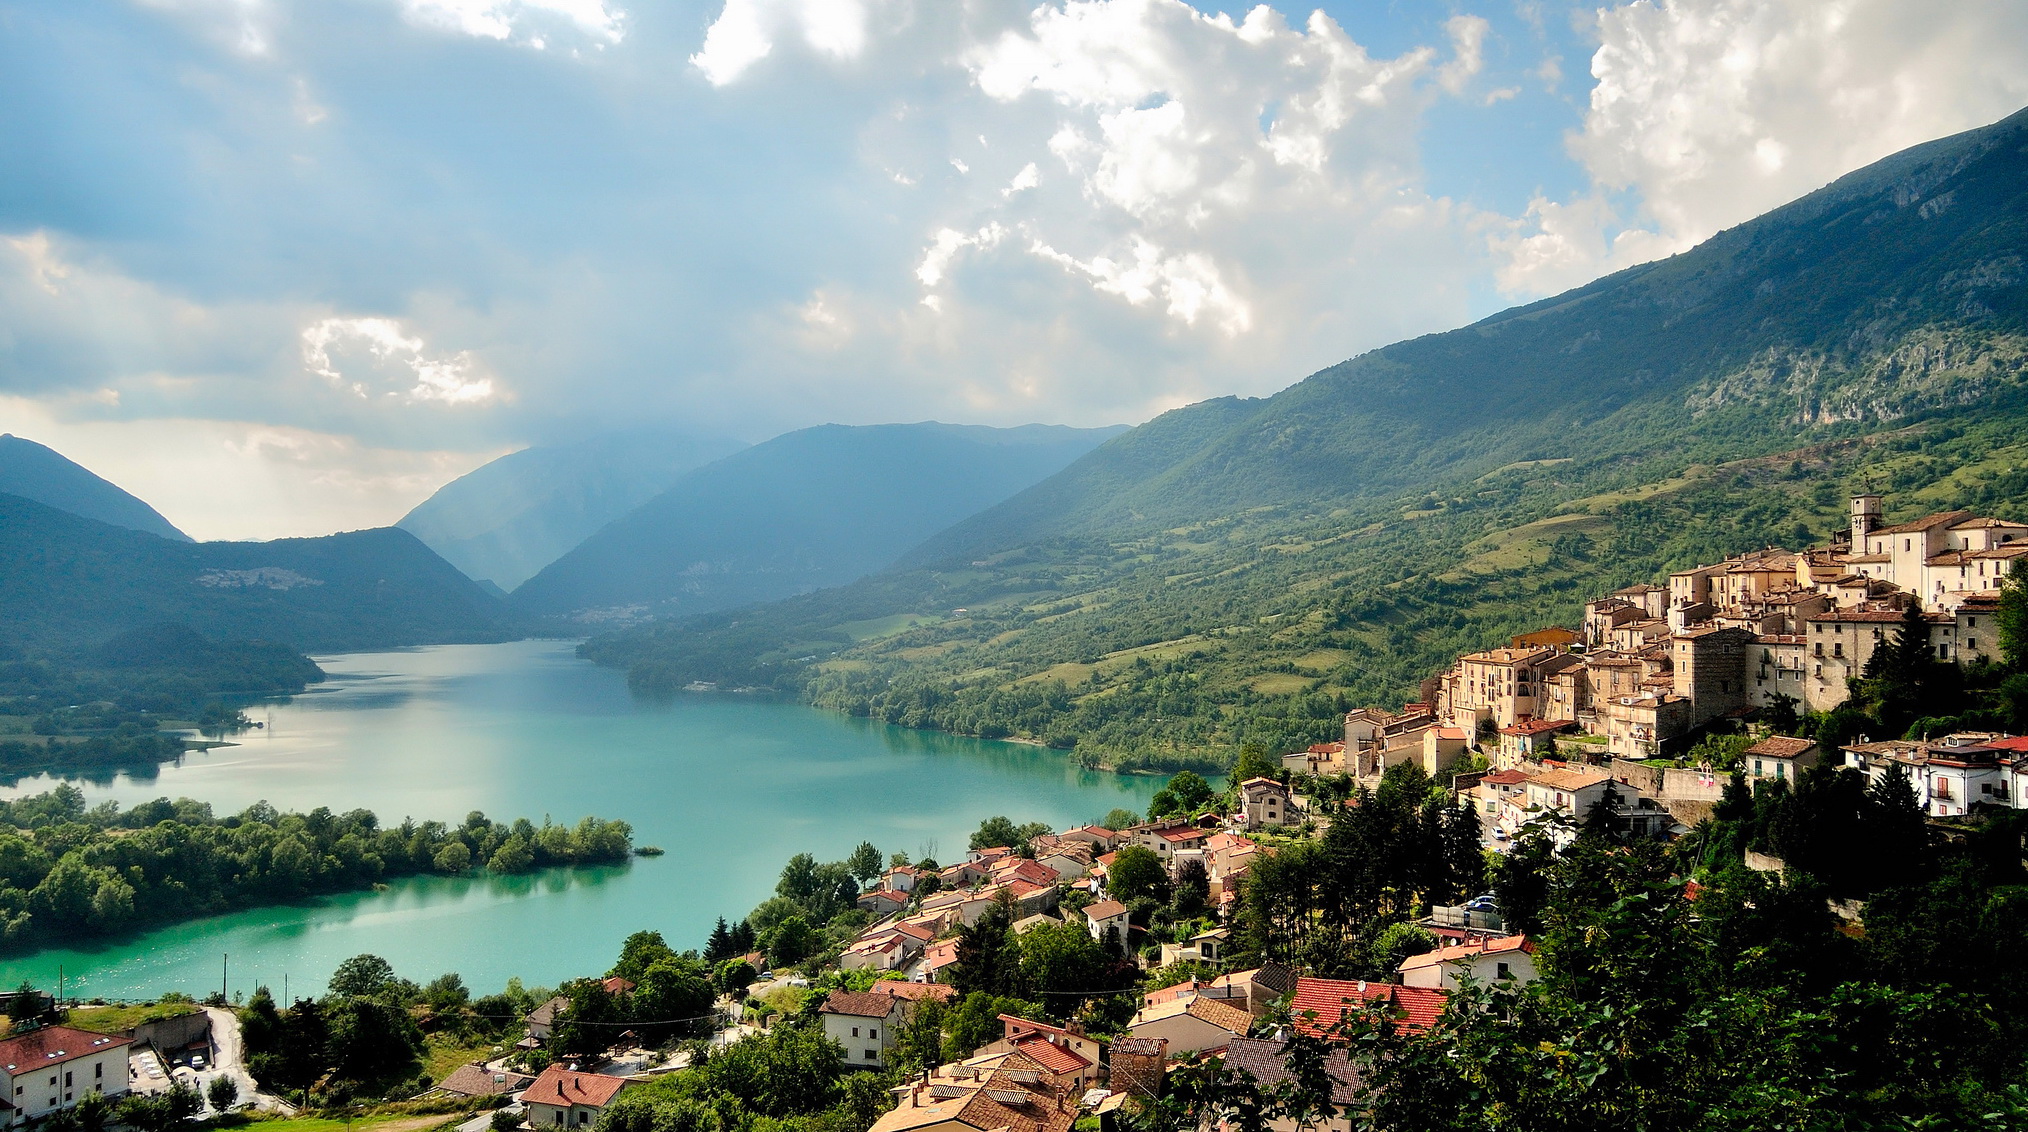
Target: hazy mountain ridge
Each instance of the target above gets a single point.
(505, 521)
(68, 582)
(812, 508)
(1241, 567)
(34, 471)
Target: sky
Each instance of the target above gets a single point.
(283, 268)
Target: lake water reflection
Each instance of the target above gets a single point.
(729, 785)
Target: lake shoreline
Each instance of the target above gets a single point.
(728, 786)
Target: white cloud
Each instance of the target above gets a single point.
(1710, 112)
(383, 354)
(1028, 178)
(228, 479)
(746, 30)
(1468, 46)
(518, 19)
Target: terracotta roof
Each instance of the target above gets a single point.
(1053, 1057)
(1266, 1061)
(867, 1005)
(1537, 726)
(1104, 910)
(53, 1044)
(1221, 1014)
(1781, 747)
(1181, 833)
(940, 955)
(914, 992)
(1415, 1008)
(1457, 951)
(1572, 778)
(561, 1086)
(1927, 522)
(1506, 778)
(546, 1013)
(479, 1081)
(617, 985)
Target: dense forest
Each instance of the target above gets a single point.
(68, 872)
(1682, 990)
(99, 710)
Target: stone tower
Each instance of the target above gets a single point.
(1865, 520)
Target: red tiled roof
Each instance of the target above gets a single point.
(1536, 726)
(1181, 833)
(1940, 519)
(53, 1044)
(914, 992)
(1053, 1057)
(561, 1086)
(1781, 747)
(1105, 910)
(1415, 1008)
(1506, 778)
(867, 1005)
(1465, 951)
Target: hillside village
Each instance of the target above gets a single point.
(1562, 729)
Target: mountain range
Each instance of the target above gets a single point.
(812, 508)
(29, 470)
(68, 582)
(1248, 568)
(504, 522)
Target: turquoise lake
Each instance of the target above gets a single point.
(729, 785)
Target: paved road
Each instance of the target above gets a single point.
(228, 1060)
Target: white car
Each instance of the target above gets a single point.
(196, 1061)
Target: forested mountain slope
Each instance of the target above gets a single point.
(505, 521)
(33, 471)
(816, 507)
(1243, 569)
(68, 582)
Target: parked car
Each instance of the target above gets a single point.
(196, 1061)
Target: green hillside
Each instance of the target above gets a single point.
(812, 508)
(68, 583)
(505, 521)
(1247, 569)
(33, 471)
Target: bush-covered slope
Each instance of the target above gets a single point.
(507, 520)
(67, 581)
(1240, 570)
(34, 472)
(817, 507)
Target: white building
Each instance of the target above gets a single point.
(1486, 961)
(863, 1025)
(53, 1068)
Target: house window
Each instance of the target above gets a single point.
(584, 1118)
(559, 1118)
(1781, 770)
(1943, 652)
(1503, 970)
(872, 1056)
(873, 1034)
(855, 1031)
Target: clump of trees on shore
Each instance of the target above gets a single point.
(69, 872)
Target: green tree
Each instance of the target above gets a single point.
(998, 831)
(865, 862)
(362, 975)
(788, 1071)
(1118, 819)
(790, 942)
(223, 1093)
(1136, 873)
(2012, 619)
(640, 951)
(1254, 762)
